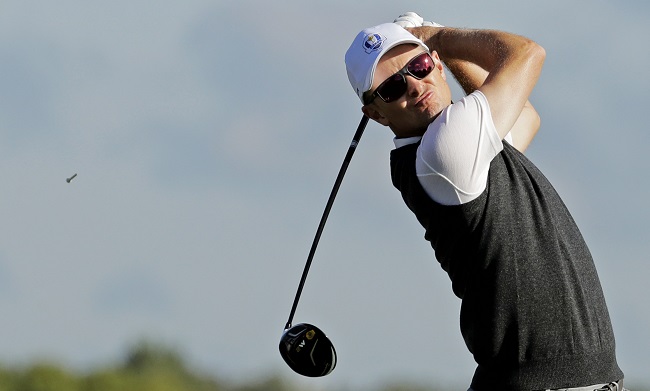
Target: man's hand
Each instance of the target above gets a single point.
(411, 19)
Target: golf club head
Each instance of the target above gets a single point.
(307, 350)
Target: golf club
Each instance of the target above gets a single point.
(304, 347)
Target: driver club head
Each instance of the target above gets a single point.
(307, 350)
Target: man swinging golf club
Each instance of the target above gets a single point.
(533, 313)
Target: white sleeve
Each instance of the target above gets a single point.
(454, 155)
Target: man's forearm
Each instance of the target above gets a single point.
(485, 48)
(469, 76)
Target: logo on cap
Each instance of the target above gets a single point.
(373, 42)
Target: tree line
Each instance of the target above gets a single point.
(146, 367)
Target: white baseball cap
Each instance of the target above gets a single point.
(367, 48)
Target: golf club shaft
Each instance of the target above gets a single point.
(328, 207)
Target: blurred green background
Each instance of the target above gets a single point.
(149, 366)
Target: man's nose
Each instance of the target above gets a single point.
(414, 86)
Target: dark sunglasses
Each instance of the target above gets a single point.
(395, 86)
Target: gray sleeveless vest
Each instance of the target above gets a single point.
(533, 312)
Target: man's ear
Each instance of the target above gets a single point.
(439, 65)
(371, 112)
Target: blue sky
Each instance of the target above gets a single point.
(206, 137)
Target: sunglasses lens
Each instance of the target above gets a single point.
(421, 66)
(392, 89)
(395, 86)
